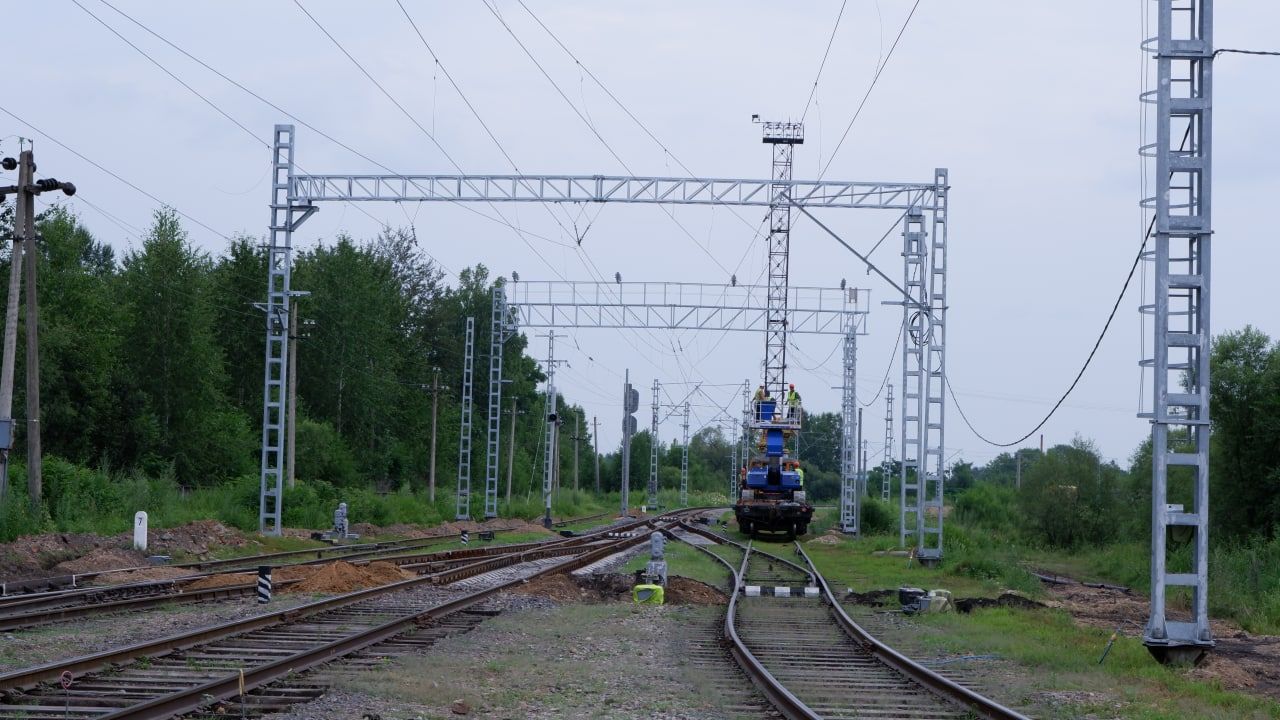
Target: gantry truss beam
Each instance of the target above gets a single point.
(677, 306)
(610, 188)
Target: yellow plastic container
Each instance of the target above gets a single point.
(647, 594)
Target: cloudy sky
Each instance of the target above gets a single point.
(1031, 105)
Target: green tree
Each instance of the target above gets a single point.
(173, 358)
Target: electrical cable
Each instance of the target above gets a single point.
(64, 146)
(822, 64)
(1221, 51)
(872, 86)
(1076, 381)
(888, 370)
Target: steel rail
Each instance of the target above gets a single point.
(229, 686)
(28, 677)
(21, 585)
(439, 566)
(160, 592)
(980, 705)
(729, 541)
(774, 691)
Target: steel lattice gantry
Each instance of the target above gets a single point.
(286, 216)
(922, 472)
(1183, 53)
(684, 460)
(850, 493)
(500, 329)
(651, 497)
(887, 464)
(463, 509)
(295, 196)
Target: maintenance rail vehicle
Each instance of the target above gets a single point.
(771, 496)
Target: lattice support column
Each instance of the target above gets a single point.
(933, 426)
(1183, 53)
(463, 504)
(886, 468)
(549, 468)
(286, 216)
(916, 327)
(850, 513)
(651, 499)
(684, 461)
(497, 339)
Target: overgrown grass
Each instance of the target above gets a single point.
(1244, 579)
(1064, 657)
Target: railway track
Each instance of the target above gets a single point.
(812, 661)
(16, 589)
(29, 610)
(227, 663)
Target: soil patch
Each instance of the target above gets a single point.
(199, 538)
(827, 539)
(106, 558)
(873, 598)
(687, 591)
(34, 556)
(1006, 600)
(342, 577)
(222, 580)
(160, 572)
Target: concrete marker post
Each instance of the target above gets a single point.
(140, 531)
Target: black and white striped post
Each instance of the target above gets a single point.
(466, 538)
(264, 584)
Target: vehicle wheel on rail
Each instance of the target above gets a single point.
(802, 528)
(745, 528)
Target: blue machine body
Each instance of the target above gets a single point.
(758, 479)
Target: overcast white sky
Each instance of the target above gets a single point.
(1031, 105)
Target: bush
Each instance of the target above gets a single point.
(988, 506)
(878, 517)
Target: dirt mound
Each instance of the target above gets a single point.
(1006, 600)
(198, 538)
(35, 555)
(828, 539)
(106, 558)
(159, 572)
(342, 577)
(687, 591)
(222, 580)
(873, 598)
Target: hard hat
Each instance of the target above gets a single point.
(793, 386)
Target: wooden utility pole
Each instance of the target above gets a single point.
(35, 481)
(25, 243)
(511, 453)
(11, 323)
(595, 446)
(290, 453)
(435, 405)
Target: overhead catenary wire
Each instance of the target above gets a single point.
(825, 53)
(112, 173)
(874, 79)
